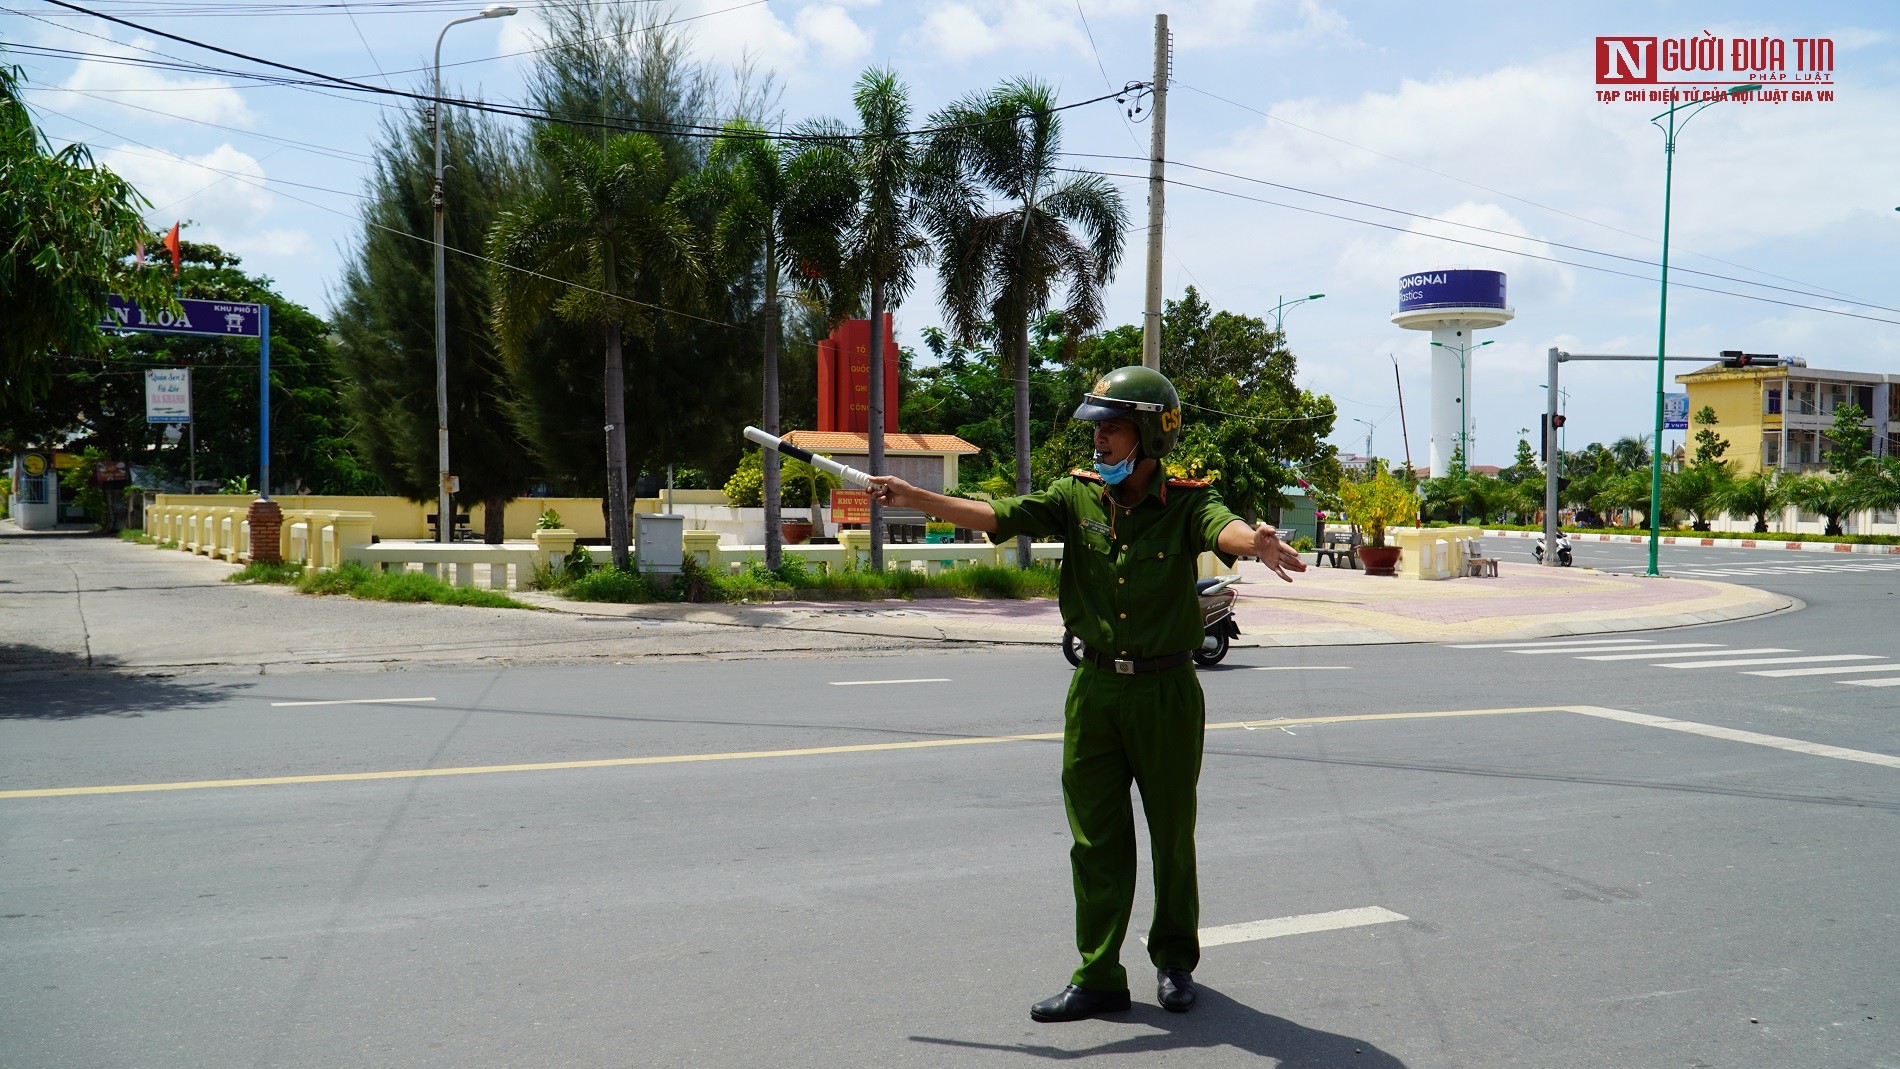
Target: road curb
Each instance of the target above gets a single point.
(1718, 543)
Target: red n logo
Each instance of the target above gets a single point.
(1626, 59)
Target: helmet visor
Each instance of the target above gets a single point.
(1095, 408)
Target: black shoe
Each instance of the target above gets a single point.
(1175, 989)
(1076, 1003)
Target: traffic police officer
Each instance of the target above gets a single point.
(1134, 713)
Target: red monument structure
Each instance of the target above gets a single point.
(844, 378)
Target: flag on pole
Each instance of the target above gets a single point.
(171, 242)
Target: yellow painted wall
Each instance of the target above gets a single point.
(1737, 401)
(398, 518)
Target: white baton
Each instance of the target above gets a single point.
(849, 474)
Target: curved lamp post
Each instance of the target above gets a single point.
(445, 513)
(1464, 391)
(1666, 122)
(1282, 305)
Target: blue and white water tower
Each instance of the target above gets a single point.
(1454, 304)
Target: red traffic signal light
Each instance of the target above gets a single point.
(1558, 420)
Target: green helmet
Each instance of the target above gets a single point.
(1142, 395)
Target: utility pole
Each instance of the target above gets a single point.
(1151, 316)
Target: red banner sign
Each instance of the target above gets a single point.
(850, 506)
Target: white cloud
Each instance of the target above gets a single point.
(202, 188)
(174, 98)
(839, 39)
(820, 37)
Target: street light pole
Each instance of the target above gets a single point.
(445, 513)
(1282, 306)
(1464, 391)
(1662, 311)
(1370, 427)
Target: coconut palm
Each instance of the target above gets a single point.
(1696, 490)
(778, 203)
(885, 240)
(1014, 225)
(1631, 453)
(1877, 483)
(602, 225)
(1757, 494)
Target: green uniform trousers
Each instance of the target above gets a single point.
(1146, 730)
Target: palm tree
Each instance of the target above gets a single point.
(885, 238)
(1877, 483)
(1696, 490)
(1631, 453)
(1756, 494)
(1830, 498)
(1002, 261)
(777, 204)
(603, 224)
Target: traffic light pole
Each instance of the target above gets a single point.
(1558, 356)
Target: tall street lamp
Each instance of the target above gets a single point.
(1662, 314)
(445, 513)
(1281, 306)
(1370, 427)
(1464, 391)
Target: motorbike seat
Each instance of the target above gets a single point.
(1201, 585)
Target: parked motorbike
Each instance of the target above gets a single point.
(1563, 550)
(1219, 627)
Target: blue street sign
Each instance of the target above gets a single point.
(1675, 411)
(224, 319)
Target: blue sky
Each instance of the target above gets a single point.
(1477, 114)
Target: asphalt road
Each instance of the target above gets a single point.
(744, 863)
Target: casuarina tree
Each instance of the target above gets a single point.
(600, 224)
(1015, 223)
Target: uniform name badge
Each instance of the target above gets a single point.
(1098, 527)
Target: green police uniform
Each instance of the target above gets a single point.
(1127, 591)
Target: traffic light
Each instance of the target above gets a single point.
(1558, 420)
(1735, 358)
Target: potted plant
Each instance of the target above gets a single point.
(816, 484)
(1375, 504)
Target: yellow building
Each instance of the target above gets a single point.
(1776, 417)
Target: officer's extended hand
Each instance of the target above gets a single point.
(1275, 554)
(892, 492)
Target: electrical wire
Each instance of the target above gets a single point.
(1493, 248)
(1835, 294)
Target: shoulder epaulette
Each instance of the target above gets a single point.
(1084, 473)
(1189, 482)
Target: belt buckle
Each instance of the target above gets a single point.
(1124, 668)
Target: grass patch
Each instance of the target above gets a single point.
(135, 534)
(797, 579)
(358, 581)
(282, 574)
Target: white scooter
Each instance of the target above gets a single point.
(1563, 549)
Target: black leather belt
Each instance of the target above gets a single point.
(1125, 667)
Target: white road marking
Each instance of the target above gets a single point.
(882, 682)
(1753, 738)
(1549, 645)
(1893, 682)
(1770, 660)
(1296, 668)
(1304, 924)
(354, 701)
(1605, 649)
(1650, 651)
(1779, 673)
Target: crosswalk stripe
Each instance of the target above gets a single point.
(1573, 652)
(1706, 649)
(1548, 645)
(1893, 681)
(1839, 669)
(1772, 660)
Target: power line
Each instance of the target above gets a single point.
(1510, 196)
(1492, 248)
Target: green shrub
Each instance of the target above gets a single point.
(359, 581)
(1303, 544)
(610, 584)
(281, 574)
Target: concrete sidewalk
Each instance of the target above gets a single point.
(1323, 606)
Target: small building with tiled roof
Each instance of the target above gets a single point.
(928, 461)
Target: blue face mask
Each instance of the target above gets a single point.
(1113, 474)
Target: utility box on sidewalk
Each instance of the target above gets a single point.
(657, 542)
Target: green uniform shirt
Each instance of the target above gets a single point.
(1127, 572)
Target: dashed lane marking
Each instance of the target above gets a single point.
(1294, 667)
(1604, 649)
(1542, 645)
(1304, 924)
(882, 682)
(353, 701)
(1893, 682)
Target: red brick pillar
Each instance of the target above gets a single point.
(267, 525)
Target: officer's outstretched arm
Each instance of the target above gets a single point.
(896, 493)
(1263, 542)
